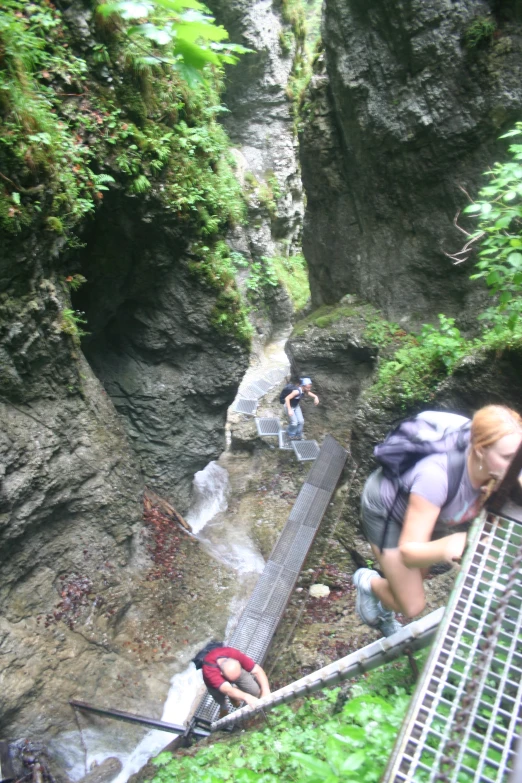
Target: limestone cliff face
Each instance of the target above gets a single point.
(78, 583)
(84, 428)
(169, 373)
(261, 127)
(403, 113)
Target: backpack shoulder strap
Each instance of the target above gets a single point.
(457, 461)
(456, 465)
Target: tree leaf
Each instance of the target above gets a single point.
(156, 34)
(179, 5)
(515, 259)
(353, 762)
(191, 31)
(195, 56)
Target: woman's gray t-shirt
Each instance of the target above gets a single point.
(429, 479)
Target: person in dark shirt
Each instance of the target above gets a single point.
(229, 672)
(293, 409)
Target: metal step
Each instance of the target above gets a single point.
(252, 390)
(268, 428)
(284, 442)
(276, 375)
(305, 450)
(245, 406)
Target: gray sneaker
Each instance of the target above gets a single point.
(389, 625)
(366, 604)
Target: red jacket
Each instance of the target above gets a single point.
(212, 676)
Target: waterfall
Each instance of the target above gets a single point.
(211, 489)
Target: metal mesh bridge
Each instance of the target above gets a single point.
(272, 592)
(466, 714)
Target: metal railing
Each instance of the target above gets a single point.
(411, 637)
(466, 714)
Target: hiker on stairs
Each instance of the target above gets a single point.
(291, 397)
(413, 524)
(229, 672)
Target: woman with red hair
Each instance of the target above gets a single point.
(425, 528)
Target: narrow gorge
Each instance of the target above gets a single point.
(167, 223)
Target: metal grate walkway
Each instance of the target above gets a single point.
(466, 714)
(272, 592)
(268, 427)
(411, 637)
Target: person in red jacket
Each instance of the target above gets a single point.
(229, 672)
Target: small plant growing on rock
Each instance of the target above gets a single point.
(71, 324)
(480, 31)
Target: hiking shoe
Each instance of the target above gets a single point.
(389, 625)
(366, 604)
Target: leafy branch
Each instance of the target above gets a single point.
(499, 210)
(180, 33)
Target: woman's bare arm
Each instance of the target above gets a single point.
(417, 551)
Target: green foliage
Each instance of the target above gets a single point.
(74, 282)
(268, 273)
(500, 228)
(72, 323)
(480, 31)
(292, 274)
(35, 144)
(214, 267)
(269, 193)
(303, 36)
(323, 318)
(66, 138)
(180, 33)
(421, 361)
(318, 742)
(381, 333)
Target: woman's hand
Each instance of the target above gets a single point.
(454, 547)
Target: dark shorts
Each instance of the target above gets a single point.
(374, 515)
(245, 682)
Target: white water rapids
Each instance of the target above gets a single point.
(232, 546)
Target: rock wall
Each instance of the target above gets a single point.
(90, 597)
(260, 125)
(402, 114)
(170, 374)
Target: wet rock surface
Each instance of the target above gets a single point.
(401, 114)
(111, 632)
(260, 123)
(170, 375)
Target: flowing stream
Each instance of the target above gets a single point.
(232, 546)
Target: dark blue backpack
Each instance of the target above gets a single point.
(430, 432)
(286, 390)
(199, 658)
